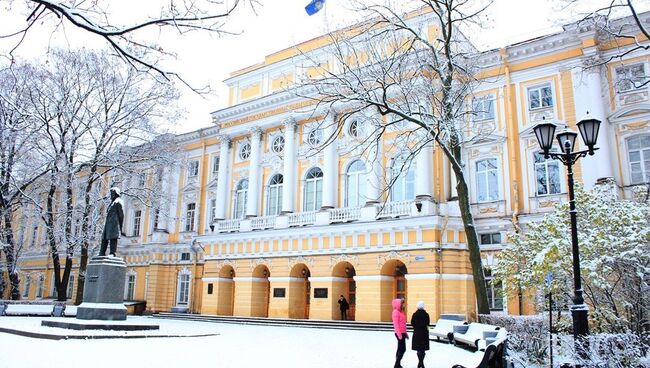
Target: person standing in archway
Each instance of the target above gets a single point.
(344, 306)
(420, 343)
(399, 326)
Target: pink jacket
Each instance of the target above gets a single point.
(399, 319)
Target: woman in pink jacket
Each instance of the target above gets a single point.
(399, 325)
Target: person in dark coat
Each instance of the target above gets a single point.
(113, 225)
(420, 343)
(344, 306)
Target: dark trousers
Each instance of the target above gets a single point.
(102, 250)
(421, 354)
(344, 314)
(401, 348)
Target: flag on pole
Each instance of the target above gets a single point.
(314, 6)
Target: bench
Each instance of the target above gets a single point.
(444, 327)
(490, 357)
(28, 310)
(471, 334)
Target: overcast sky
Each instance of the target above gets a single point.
(277, 24)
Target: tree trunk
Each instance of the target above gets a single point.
(59, 284)
(472, 242)
(83, 261)
(10, 256)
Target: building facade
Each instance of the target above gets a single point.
(268, 220)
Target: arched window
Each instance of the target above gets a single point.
(313, 190)
(355, 184)
(403, 188)
(275, 195)
(241, 195)
(638, 154)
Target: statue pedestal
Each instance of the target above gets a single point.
(104, 290)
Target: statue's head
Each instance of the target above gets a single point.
(115, 192)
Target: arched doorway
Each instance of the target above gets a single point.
(260, 292)
(226, 291)
(346, 271)
(299, 291)
(397, 288)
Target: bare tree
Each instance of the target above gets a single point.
(133, 42)
(410, 76)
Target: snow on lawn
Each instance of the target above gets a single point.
(235, 346)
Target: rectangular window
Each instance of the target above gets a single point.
(630, 77)
(137, 216)
(491, 238)
(210, 289)
(540, 97)
(193, 169)
(547, 175)
(483, 107)
(487, 180)
(185, 256)
(638, 154)
(142, 180)
(215, 164)
(28, 282)
(40, 286)
(183, 288)
(212, 210)
(494, 292)
(189, 216)
(70, 286)
(130, 288)
(156, 217)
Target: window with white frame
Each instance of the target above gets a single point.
(28, 283)
(315, 137)
(494, 291)
(487, 180)
(277, 145)
(547, 175)
(40, 286)
(630, 77)
(70, 286)
(490, 238)
(190, 215)
(313, 190)
(193, 169)
(212, 210)
(156, 218)
(540, 97)
(137, 217)
(129, 288)
(142, 180)
(183, 291)
(215, 164)
(245, 151)
(241, 196)
(274, 203)
(355, 184)
(483, 107)
(403, 188)
(638, 154)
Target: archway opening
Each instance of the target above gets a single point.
(346, 271)
(261, 291)
(226, 291)
(299, 291)
(394, 287)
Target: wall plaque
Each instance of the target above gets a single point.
(320, 293)
(279, 292)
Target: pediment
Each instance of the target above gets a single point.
(483, 139)
(640, 111)
(191, 187)
(529, 132)
(213, 184)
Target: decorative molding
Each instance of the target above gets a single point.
(350, 258)
(225, 262)
(260, 261)
(400, 256)
(309, 261)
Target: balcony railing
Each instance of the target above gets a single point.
(302, 218)
(263, 222)
(397, 209)
(345, 214)
(225, 226)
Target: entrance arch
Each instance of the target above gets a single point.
(260, 291)
(393, 287)
(348, 288)
(226, 291)
(299, 291)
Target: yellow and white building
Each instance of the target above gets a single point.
(264, 224)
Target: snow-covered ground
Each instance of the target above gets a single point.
(234, 346)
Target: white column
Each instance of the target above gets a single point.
(424, 173)
(373, 179)
(290, 163)
(588, 96)
(254, 189)
(331, 169)
(222, 177)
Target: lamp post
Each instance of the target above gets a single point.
(589, 131)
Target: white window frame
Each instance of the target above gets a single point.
(404, 180)
(244, 151)
(40, 286)
(190, 217)
(240, 195)
(483, 107)
(314, 181)
(644, 155)
(129, 286)
(70, 286)
(277, 144)
(486, 179)
(212, 210)
(274, 195)
(630, 80)
(137, 220)
(539, 88)
(183, 289)
(546, 165)
(27, 281)
(142, 180)
(193, 169)
(358, 179)
(492, 294)
(215, 164)
(315, 137)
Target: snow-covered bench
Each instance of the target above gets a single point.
(28, 310)
(444, 327)
(492, 356)
(70, 311)
(471, 334)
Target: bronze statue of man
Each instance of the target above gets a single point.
(113, 225)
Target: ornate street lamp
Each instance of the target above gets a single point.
(589, 131)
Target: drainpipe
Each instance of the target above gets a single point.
(445, 221)
(195, 248)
